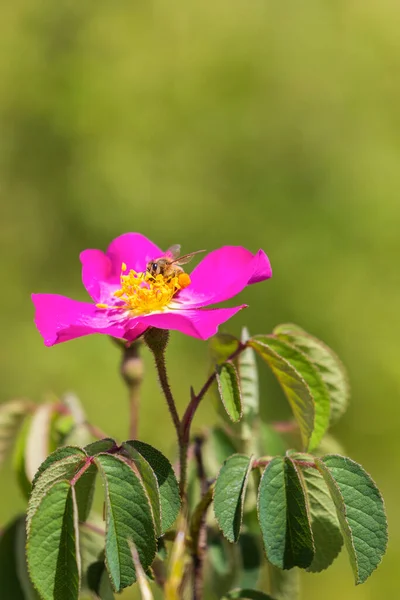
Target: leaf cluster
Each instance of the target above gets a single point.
(283, 492)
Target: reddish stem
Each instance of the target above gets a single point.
(82, 470)
(197, 398)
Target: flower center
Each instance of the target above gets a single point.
(143, 293)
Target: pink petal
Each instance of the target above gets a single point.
(97, 273)
(194, 322)
(133, 249)
(60, 319)
(224, 273)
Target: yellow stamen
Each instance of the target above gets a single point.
(123, 267)
(142, 293)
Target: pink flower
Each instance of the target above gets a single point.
(127, 300)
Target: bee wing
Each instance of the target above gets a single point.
(182, 260)
(173, 251)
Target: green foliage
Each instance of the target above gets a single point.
(328, 540)
(136, 484)
(84, 491)
(229, 492)
(283, 516)
(57, 470)
(248, 376)
(326, 361)
(19, 466)
(229, 390)
(12, 415)
(314, 381)
(38, 446)
(300, 507)
(99, 446)
(294, 386)
(150, 483)
(128, 517)
(167, 483)
(360, 510)
(222, 346)
(52, 546)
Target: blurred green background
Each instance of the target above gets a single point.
(263, 124)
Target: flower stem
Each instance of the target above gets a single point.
(200, 547)
(132, 373)
(157, 340)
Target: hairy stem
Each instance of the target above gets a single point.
(157, 340)
(200, 547)
(132, 373)
(163, 378)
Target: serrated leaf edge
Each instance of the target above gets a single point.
(322, 460)
(312, 444)
(242, 491)
(218, 370)
(305, 442)
(329, 350)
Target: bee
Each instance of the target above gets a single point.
(169, 265)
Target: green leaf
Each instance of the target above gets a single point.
(19, 459)
(248, 375)
(360, 510)
(293, 385)
(325, 527)
(315, 384)
(11, 416)
(229, 492)
(37, 446)
(327, 362)
(10, 585)
(237, 594)
(150, 483)
(100, 446)
(229, 390)
(57, 456)
(62, 464)
(22, 568)
(52, 547)
(283, 516)
(84, 491)
(222, 346)
(167, 483)
(128, 516)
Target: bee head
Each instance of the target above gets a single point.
(154, 267)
